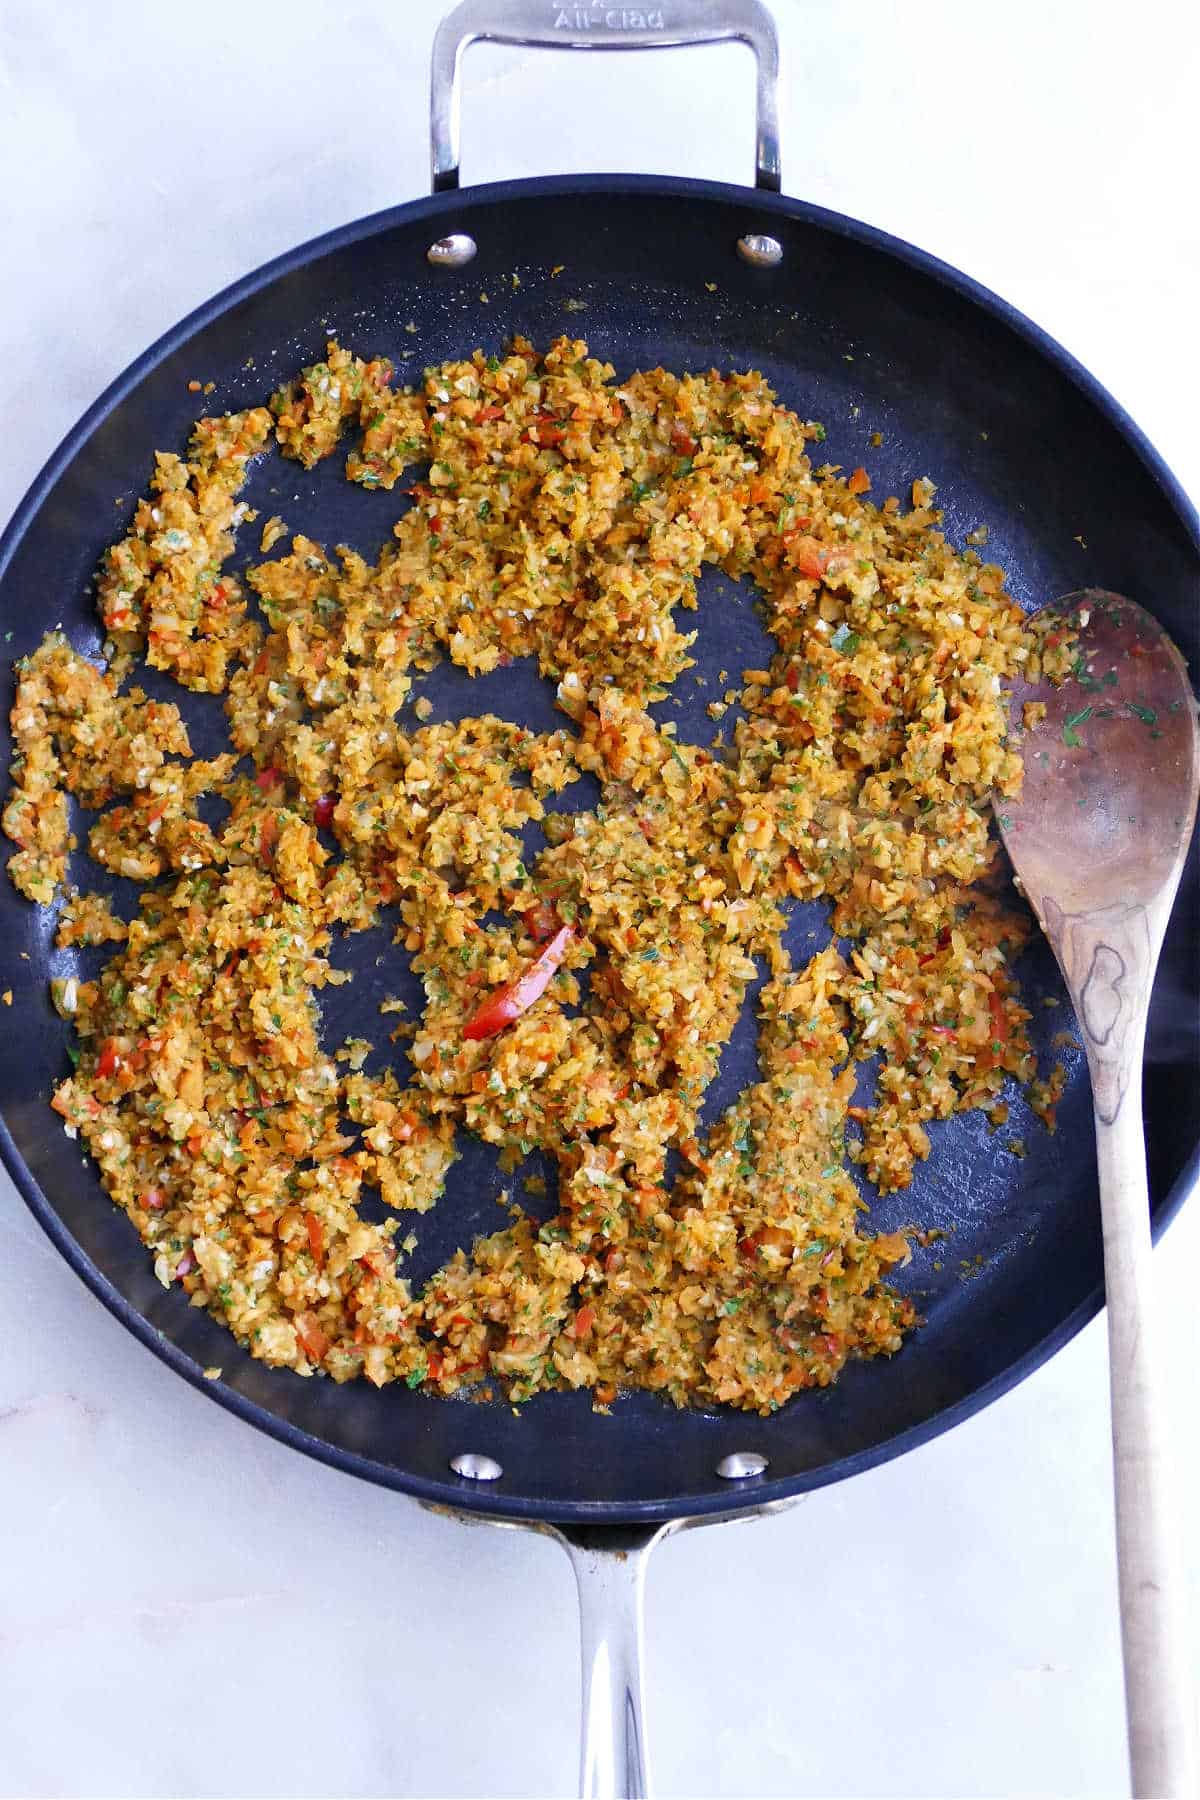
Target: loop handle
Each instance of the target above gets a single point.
(588, 25)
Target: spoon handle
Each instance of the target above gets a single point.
(1108, 957)
(1158, 1696)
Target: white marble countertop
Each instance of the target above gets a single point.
(186, 1608)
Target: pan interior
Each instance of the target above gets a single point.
(849, 333)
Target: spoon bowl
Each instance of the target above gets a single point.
(1109, 796)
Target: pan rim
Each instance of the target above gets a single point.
(452, 1493)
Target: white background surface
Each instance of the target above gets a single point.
(185, 1607)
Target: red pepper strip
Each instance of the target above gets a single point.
(266, 779)
(487, 413)
(683, 442)
(323, 809)
(999, 1017)
(515, 997)
(109, 1060)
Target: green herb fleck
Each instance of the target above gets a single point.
(1071, 737)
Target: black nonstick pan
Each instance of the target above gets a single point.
(851, 327)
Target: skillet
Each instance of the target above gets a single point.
(856, 329)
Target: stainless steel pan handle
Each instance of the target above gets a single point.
(609, 1562)
(610, 1575)
(600, 25)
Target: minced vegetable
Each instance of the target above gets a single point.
(576, 1006)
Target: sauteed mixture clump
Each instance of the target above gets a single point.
(576, 1004)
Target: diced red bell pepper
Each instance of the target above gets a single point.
(323, 809)
(547, 431)
(859, 482)
(516, 997)
(541, 921)
(267, 779)
(316, 1237)
(109, 1059)
(682, 442)
(807, 555)
(313, 1340)
(585, 1318)
(487, 413)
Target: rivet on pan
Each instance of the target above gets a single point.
(739, 1465)
(761, 252)
(474, 1467)
(453, 252)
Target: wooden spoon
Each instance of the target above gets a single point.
(1098, 840)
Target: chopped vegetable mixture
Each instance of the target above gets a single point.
(576, 1006)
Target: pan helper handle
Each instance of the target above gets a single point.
(600, 25)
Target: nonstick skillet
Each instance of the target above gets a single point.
(854, 328)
